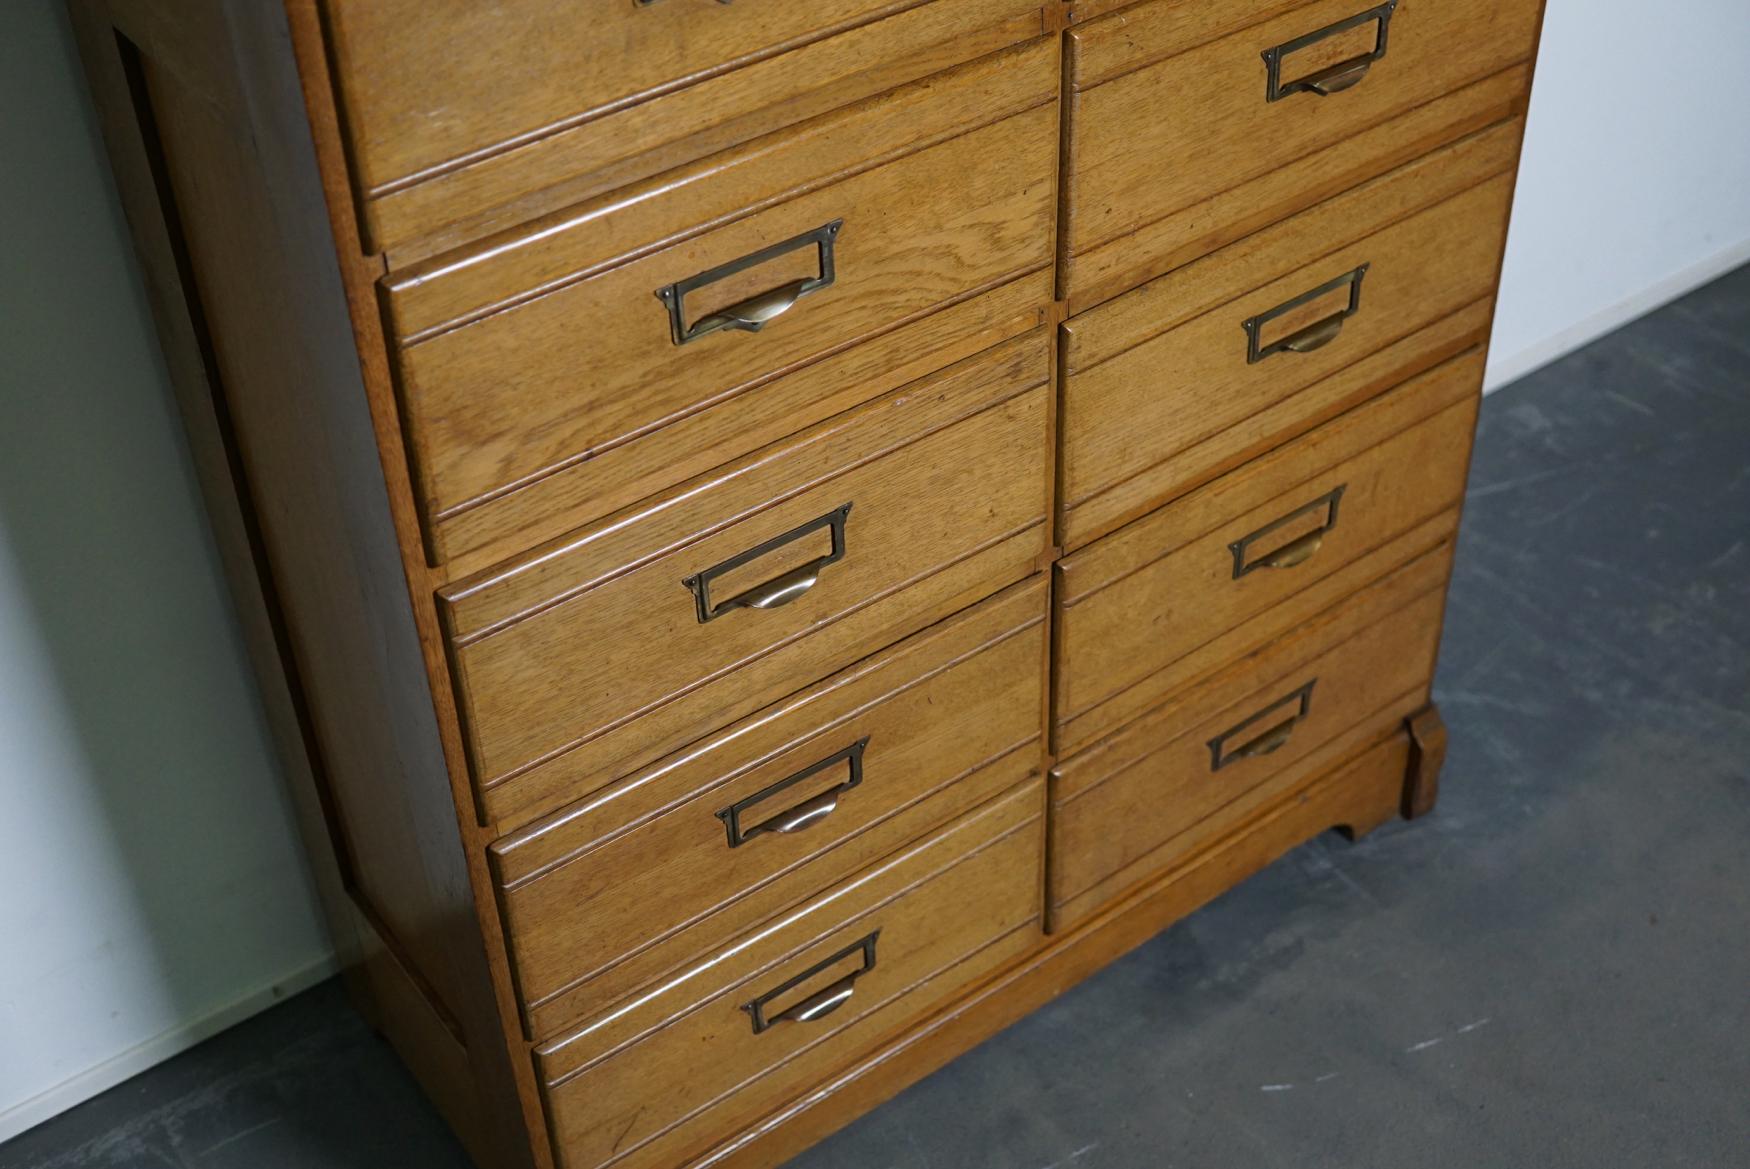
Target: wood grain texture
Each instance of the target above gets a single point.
(556, 250)
(620, 477)
(945, 720)
(1153, 183)
(573, 357)
(951, 910)
(1129, 500)
(743, 487)
(1133, 138)
(1150, 794)
(425, 84)
(1102, 56)
(1358, 795)
(1132, 605)
(404, 1013)
(446, 146)
(1162, 245)
(612, 666)
(1158, 387)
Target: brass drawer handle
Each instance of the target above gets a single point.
(1316, 335)
(1336, 78)
(823, 1002)
(804, 815)
(1268, 741)
(754, 313)
(780, 590)
(1296, 551)
(1341, 76)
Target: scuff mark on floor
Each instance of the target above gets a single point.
(1074, 1157)
(1439, 1039)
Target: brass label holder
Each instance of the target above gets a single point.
(805, 814)
(1296, 551)
(1341, 76)
(823, 1003)
(1272, 738)
(1316, 335)
(756, 312)
(780, 590)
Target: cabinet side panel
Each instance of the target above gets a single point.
(327, 546)
(228, 210)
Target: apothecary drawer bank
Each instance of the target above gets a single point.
(778, 537)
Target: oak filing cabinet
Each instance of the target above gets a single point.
(780, 536)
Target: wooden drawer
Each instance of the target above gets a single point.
(1240, 561)
(1143, 799)
(731, 1040)
(1176, 146)
(642, 633)
(613, 892)
(552, 375)
(454, 109)
(1201, 369)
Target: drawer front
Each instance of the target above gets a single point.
(766, 1020)
(1119, 835)
(1198, 370)
(604, 93)
(614, 892)
(660, 626)
(1207, 760)
(566, 352)
(1134, 604)
(1192, 143)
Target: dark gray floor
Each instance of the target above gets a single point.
(1553, 970)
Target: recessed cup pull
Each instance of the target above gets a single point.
(1335, 78)
(781, 589)
(822, 1002)
(757, 311)
(1314, 336)
(800, 816)
(1263, 733)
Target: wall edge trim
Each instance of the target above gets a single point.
(1504, 369)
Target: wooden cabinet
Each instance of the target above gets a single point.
(779, 536)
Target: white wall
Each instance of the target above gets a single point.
(151, 888)
(1635, 186)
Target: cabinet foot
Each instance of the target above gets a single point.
(1427, 754)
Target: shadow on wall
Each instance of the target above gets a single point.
(152, 876)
